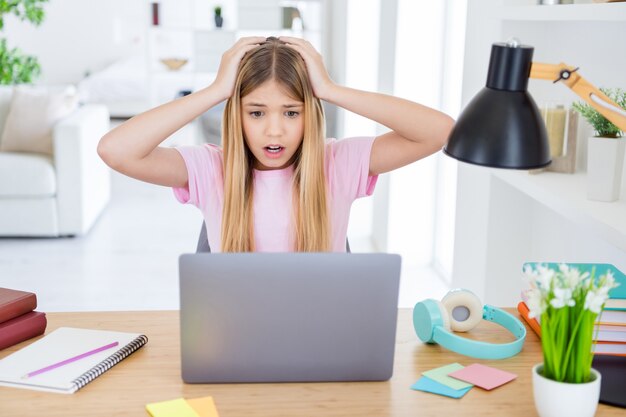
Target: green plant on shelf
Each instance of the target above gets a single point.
(600, 124)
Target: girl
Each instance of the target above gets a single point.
(277, 185)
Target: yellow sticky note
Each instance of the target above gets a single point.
(204, 407)
(173, 408)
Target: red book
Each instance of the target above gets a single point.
(22, 328)
(14, 303)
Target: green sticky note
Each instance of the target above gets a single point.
(441, 375)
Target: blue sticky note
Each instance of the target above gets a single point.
(428, 385)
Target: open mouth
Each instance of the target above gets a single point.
(274, 148)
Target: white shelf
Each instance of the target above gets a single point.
(495, 231)
(566, 195)
(604, 12)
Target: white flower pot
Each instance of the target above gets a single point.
(605, 162)
(558, 399)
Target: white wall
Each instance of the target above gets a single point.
(361, 66)
(78, 36)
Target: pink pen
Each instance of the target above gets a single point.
(70, 360)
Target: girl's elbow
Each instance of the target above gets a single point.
(448, 125)
(107, 153)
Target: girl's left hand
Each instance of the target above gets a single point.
(318, 75)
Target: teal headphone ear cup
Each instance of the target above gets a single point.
(464, 309)
(427, 315)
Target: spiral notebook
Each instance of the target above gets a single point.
(60, 345)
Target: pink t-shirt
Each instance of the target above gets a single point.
(347, 175)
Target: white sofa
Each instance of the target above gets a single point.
(58, 195)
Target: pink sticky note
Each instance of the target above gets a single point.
(483, 376)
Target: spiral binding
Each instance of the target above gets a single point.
(109, 362)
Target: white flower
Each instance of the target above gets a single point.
(562, 298)
(536, 303)
(608, 283)
(539, 278)
(531, 276)
(572, 276)
(594, 301)
(544, 278)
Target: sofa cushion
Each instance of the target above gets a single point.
(26, 175)
(33, 113)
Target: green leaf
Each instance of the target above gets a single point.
(16, 67)
(600, 124)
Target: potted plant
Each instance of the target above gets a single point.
(218, 16)
(605, 150)
(567, 304)
(16, 67)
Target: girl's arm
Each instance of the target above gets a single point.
(417, 131)
(132, 148)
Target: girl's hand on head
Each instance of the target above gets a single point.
(227, 72)
(318, 75)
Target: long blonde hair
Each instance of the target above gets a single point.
(273, 60)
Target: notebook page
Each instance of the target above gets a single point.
(57, 346)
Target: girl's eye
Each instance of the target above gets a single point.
(292, 114)
(256, 114)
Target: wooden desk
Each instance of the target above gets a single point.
(153, 374)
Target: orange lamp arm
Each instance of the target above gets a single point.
(587, 91)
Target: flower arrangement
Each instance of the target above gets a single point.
(567, 303)
(601, 125)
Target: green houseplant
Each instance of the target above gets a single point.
(605, 150)
(15, 66)
(568, 303)
(600, 124)
(219, 20)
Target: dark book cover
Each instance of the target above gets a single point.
(22, 328)
(14, 303)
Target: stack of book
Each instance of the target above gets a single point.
(18, 320)
(610, 332)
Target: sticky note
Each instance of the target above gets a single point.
(483, 376)
(428, 385)
(441, 375)
(172, 408)
(204, 407)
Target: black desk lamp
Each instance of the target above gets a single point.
(502, 127)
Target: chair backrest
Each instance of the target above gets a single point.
(204, 247)
(203, 241)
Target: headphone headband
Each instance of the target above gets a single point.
(429, 326)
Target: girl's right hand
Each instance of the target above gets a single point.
(227, 72)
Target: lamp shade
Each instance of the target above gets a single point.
(501, 127)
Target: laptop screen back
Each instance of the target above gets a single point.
(286, 317)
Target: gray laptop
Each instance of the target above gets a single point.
(288, 317)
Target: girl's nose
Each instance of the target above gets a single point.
(274, 126)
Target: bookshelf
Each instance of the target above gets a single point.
(505, 218)
(186, 30)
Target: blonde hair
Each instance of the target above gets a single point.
(273, 60)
